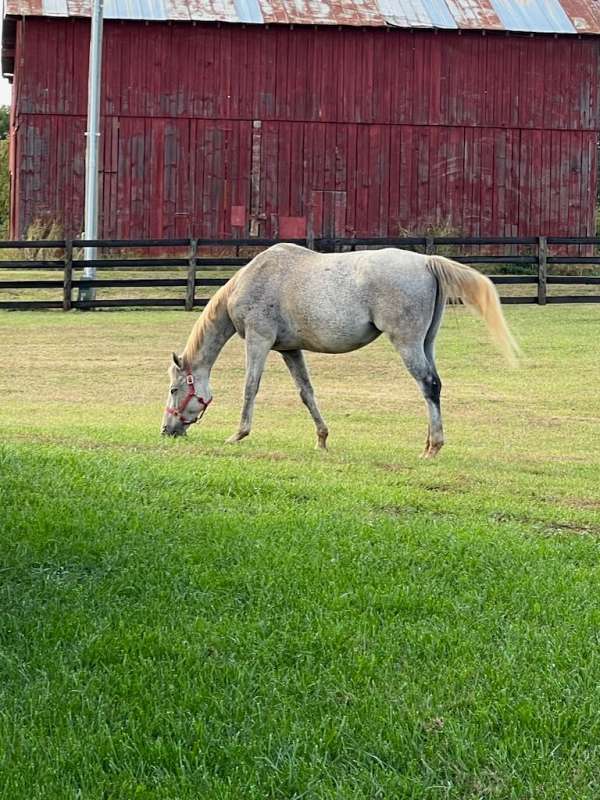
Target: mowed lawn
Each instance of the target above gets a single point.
(191, 620)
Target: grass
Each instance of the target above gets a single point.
(183, 619)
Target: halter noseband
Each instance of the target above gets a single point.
(178, 412)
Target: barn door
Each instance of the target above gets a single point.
(327, 215)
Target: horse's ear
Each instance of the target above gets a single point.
(176, 361)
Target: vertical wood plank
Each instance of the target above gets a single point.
(340, 214)
(394, 193)
(315, 219)
(190, 291)
(255, 174)
(351, 179)
(68, 276)
(542, 269)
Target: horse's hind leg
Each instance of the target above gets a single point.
(424, 372)
(294, 360)
(257, 350)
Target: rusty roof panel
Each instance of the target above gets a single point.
(322, 12)
(79, 8)
(178, 10)
(212, 10)
(28, 8)
(532, 16)
(584, 15)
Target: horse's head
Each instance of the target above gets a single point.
(189, 397)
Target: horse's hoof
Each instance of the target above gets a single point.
(321, 446)
(322, 440)
(432, 451)
(236, 438)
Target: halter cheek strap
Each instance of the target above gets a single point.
(178, 412)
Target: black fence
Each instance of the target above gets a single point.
(193, 262)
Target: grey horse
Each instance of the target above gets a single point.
(291, 299)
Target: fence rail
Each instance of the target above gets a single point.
(193, 265)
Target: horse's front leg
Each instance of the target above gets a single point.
(257, 350)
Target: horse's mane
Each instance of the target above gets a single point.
(212, 311)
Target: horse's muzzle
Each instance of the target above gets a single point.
(165, 431)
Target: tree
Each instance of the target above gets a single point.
(4, 190)
(4, 172)
(4, 121)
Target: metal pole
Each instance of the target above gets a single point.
(92, 146)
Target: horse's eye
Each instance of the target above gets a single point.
(174, 390)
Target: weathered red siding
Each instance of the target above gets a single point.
(217, 131)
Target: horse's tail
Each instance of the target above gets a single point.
(459, 282)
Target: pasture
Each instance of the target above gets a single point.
(185, 619)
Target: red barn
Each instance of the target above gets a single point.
(359, 117)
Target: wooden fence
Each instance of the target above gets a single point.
(191, 265)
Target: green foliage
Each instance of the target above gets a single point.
(4, 189)
(39, 230)
(186, 620)
(4, 122)
(439, 230)
(4, 172)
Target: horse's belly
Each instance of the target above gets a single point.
(327, 337)
(319, 311)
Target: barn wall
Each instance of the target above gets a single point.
(367, 132)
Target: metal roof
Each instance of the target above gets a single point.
(530, 16)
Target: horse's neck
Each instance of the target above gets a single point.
(215, 335)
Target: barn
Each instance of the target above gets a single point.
(234, 118)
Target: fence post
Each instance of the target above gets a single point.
(310, 231)
(429, 246)
(190, 292)
(68, 275)
(542, 269)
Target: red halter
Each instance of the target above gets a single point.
(178, 412)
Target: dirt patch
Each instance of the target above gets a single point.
(548, 528)
(269, 457)
(393, 467)
(571, 527)
(398, 511)
(582, 502)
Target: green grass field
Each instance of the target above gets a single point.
(186, 620)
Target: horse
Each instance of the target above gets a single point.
(290, 299)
